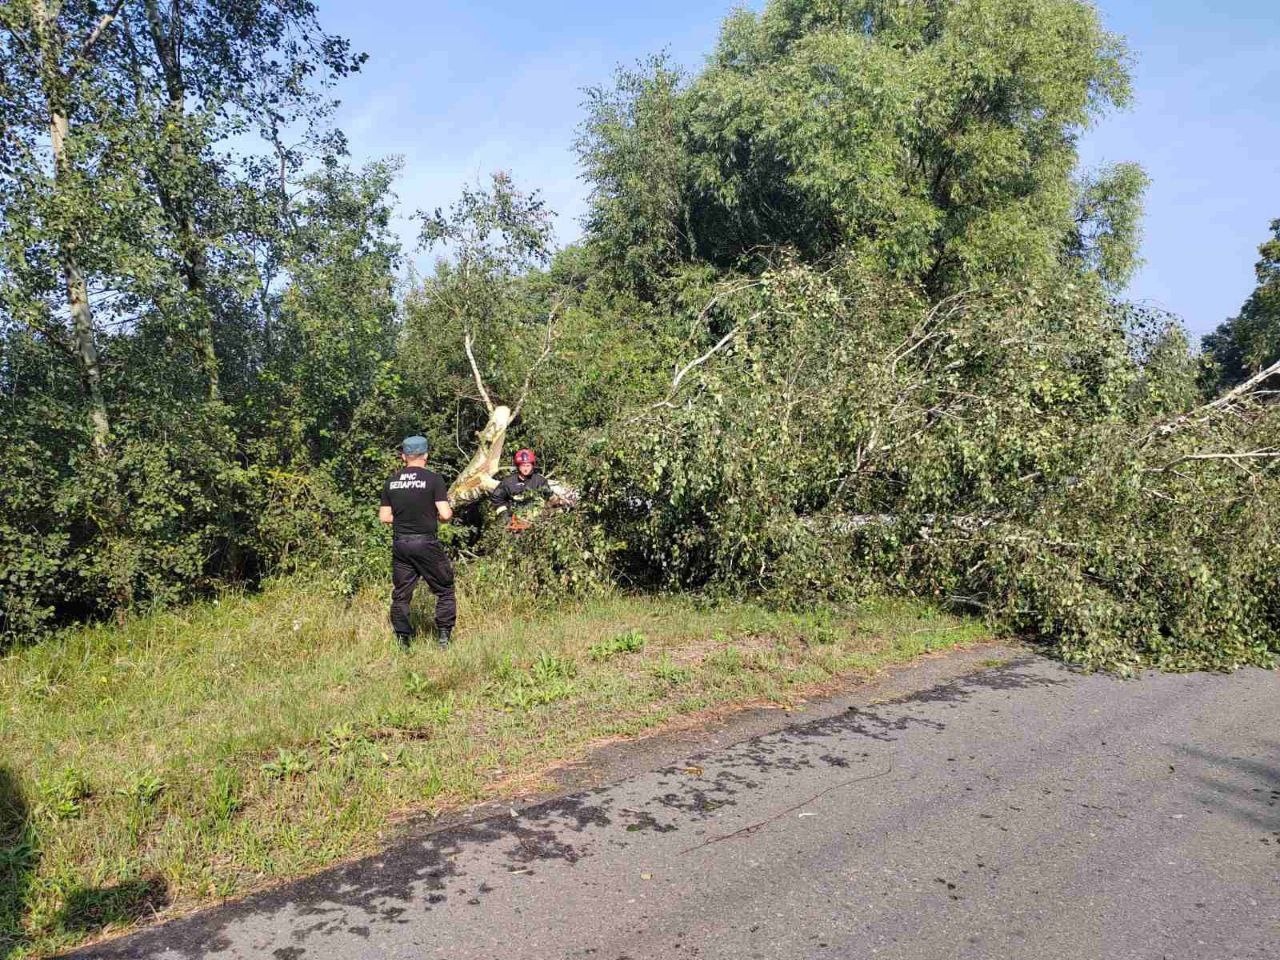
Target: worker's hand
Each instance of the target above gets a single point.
(516, 525)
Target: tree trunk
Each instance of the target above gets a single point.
(86, 349)
(177, 203)
(476, 479)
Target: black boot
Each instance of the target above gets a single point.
(404, 639)
(444, 635)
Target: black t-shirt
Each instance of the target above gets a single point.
(412, 494)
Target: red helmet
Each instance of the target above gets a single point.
(525, 456)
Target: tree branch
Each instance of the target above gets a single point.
(720, 295)
(542, 357)
(484, 394)
(1248, 455)
(94, 36)
(675, 383)
(1201, 414)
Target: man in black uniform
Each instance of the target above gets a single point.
(520, 490)
(413, 500)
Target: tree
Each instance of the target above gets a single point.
(480, 296)
(49, 49)
(938, 138)
(1250, 341)
(1107, 223)
(139, 204)
(335, 336)
(206, 70)
(160, 246)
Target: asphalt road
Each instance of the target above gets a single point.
(1016, 812)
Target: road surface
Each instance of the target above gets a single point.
(957, 810)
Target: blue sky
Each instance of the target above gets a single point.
(461, 89)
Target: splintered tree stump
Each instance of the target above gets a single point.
(476, 479)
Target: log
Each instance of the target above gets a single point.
(476, 479)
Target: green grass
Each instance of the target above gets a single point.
(202, 752)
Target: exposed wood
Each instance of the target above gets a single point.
(476, 479)
(1224, 402)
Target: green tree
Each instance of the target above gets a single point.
(49, 52)
(478, 300)
(1250, 341)
(937, 138)
(160, 262)
(1107, 223)
(333, 343)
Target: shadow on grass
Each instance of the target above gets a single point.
(19, 854)
(92, 909)
(87, 910)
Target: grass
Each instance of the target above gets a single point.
(202, 752)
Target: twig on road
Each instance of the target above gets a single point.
(752, 828)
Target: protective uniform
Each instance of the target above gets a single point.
(416, 554)
(519, 495)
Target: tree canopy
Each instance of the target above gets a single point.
(937, 139)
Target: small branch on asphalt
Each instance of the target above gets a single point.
(748, 830)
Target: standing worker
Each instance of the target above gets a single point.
(414, 500)
(520, 490)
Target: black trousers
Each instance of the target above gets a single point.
(421, 558)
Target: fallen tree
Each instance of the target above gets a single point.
(477, 478)
(1009, 450)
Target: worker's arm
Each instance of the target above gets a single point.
(441, 497)
(500, 498)
(544, 490)
(384, 511)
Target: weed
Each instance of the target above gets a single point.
(526, 694)
(224, 796)
(145, 790)
(727, 661)
(415, 685)
(287, 764)
(548, 668)
(439, 712)
(339, 737)
(62, 797)
(504, 669)
(632, 641)
(668, 671)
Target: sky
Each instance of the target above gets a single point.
(459, 90)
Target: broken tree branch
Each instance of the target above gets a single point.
(476, 479)
(475, 369)
(1201, 414)
(692, 364)
(1233, 457)
(728, 291)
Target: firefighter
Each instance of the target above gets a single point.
(414, 502)
(519, 491)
